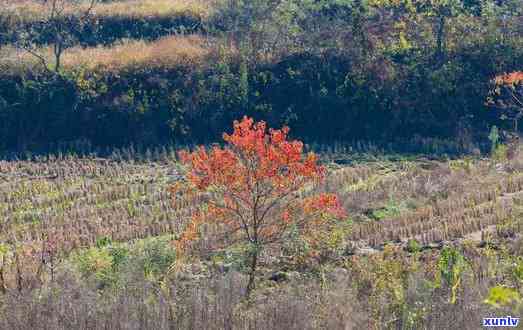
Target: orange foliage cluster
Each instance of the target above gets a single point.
(512, 78)
(507, 96)
(256, 184)
(253, 159)
(324, 203)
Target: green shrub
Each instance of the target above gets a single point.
(97, 263)
(233, 258)
(499, 154)
(518, 270)
(500, 296)
(103, 242)
(413, 246)
(110, 264)
(451, 268)
(152, 256)
(391, 209)
(494, 138)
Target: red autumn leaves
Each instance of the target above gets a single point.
(258, 186)
(507, 96)
(512, 78)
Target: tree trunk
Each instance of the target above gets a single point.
(252, 274)
(2, 281)
(19, 278)
(441, 39)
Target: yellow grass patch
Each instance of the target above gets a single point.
(31, 10)
(168, 52)
(145, 8)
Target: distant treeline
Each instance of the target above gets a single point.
(104, 30)
(341, 72)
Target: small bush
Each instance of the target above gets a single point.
(152, 257)
(500, 296)
(413, 246)
(390, 210)
(111, 264)
(499, 153)
(97, 263)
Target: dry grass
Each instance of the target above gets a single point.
(172, 51)
(147, 8)
(32, 10)
(214, 303)
(168, 51)
(428, 201)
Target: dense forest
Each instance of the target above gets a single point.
(96, 74)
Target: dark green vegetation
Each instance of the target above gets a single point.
(428, 244)
(336, 70)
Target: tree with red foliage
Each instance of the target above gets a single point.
(507, 96)
(258, 187)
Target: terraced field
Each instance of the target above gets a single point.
(429, 202)
(74, 203)
(78, 201)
